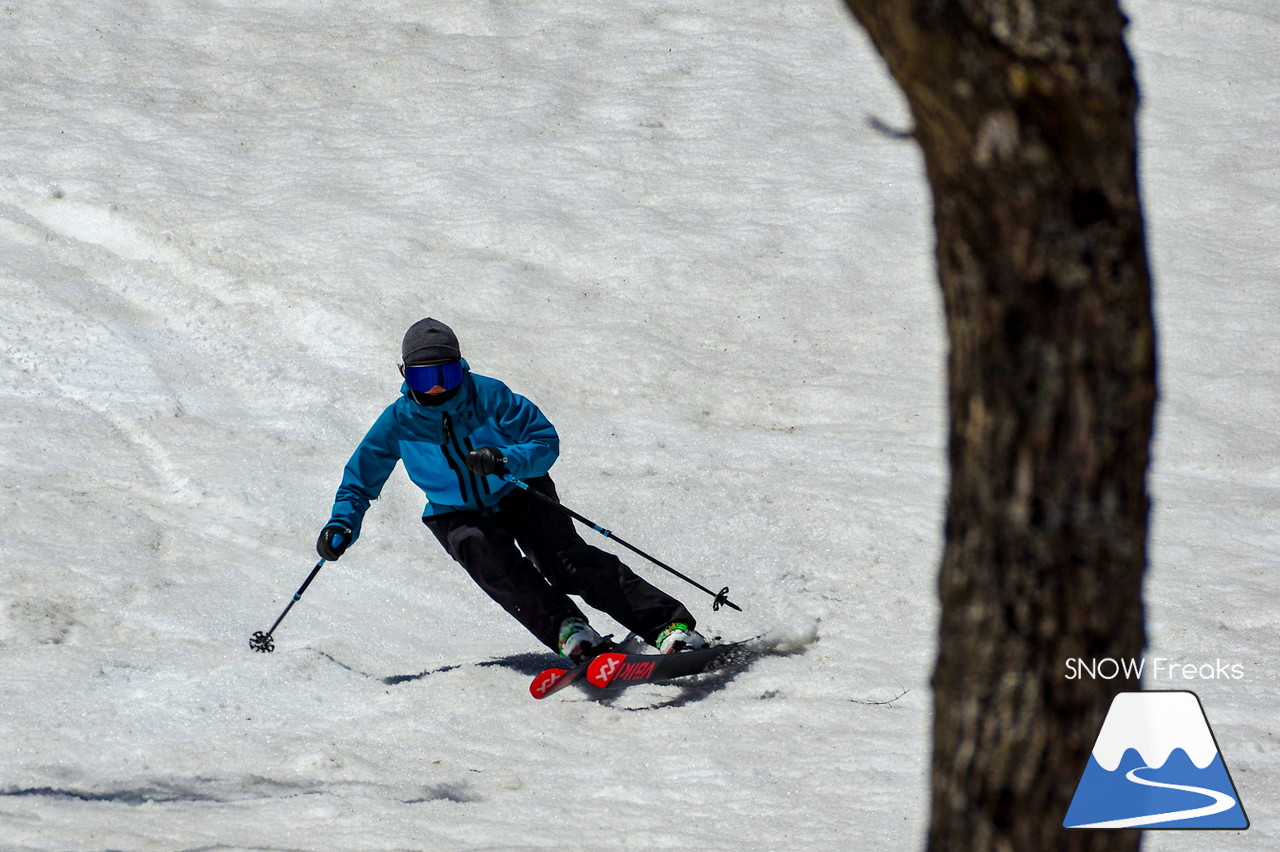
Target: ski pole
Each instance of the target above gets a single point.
(721, 597)
(262, 641)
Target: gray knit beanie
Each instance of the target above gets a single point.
(429, 340)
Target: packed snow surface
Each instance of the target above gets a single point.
(672, 226)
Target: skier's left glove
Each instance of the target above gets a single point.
(487, 461)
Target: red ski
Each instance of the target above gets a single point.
(555, 679)
(558, 677)
(615, 670)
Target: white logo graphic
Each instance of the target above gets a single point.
(604, 671)
(1156, 765)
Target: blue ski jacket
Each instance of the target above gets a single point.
(433, 442)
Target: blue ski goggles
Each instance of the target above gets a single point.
(446, 375)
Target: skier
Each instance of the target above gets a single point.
(458, 434)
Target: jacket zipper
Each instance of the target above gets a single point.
(467, 484)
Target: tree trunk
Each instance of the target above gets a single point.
(1025, 111)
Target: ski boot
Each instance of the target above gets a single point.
(677, 637)
(579, 641)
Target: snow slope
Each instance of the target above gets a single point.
(672, 227)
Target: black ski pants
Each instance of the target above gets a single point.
(529, 558)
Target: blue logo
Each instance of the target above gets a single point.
(1156, 764)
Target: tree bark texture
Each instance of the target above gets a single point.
(1025, 111)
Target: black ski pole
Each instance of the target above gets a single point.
(262, 641)
(721, 597)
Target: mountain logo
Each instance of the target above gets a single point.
(1156, 764)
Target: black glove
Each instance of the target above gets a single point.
(487, 461)
(333, 542)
